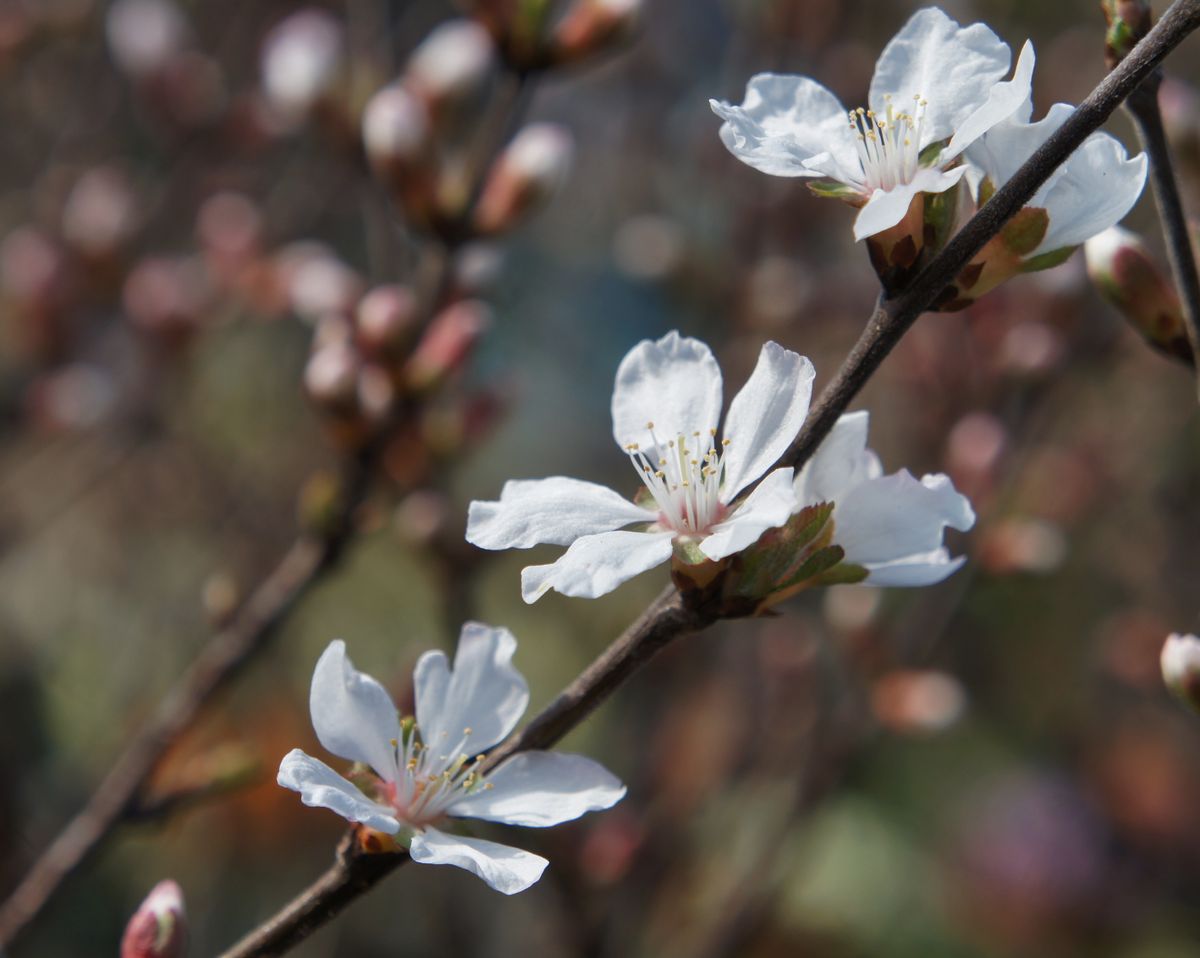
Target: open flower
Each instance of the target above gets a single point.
(666, 407)
(1093, 190)
(428, 769)
(936, 83)
(891, 526)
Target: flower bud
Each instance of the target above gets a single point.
(591, 26)
(386, 320)
(331, 377)
(375, 393)
(447, 344)
(316, 282)
(1123, 271)
(453, 65)
(166, 297)
(397, 137)
(100, 213)
(158, 928)
(302, 62)
(145, 35)
(1128, 21)
(1180, 662)
(529, 171)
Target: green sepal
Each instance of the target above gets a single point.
(929, 155)
(1055, 257)
(847, 573)
(780, 552)
(1022, 234)
(820, 562)
(833, 190)
(687, 551)
(987, 189)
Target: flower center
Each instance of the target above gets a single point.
(685, 479)
(431, 776)
(889, 146)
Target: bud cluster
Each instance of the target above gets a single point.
(421, 137)
(530, 38)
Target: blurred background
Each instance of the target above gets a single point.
(989, 767)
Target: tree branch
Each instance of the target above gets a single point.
(668, 617)
(1143, 108)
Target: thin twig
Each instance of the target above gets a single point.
(1143, 108)
(668, 618)
(218, 663)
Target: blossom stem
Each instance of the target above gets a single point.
(893, 316)
(668, 618)
(1143, 108)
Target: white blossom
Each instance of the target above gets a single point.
(936, 83)
(666, 408)
(1092, 190)
(890, 525)
(429, 770)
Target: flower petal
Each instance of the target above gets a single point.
(841, 462)
(925, 568)
(886, 208)
(508, 870)
(769, 505)
(1099, 185)
(673, 382)
(472, 707)
(765, 416)
(894, 517)
(595, 565)
(1011, 98)
(539, 789)
(352, 714)
(321, 787)
(555, 510)
(932, 58)
(785, 121)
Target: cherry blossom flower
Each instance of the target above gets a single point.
(666, 407)
(427, 769)
(936, 84)
(1093, 190)
(892, 525)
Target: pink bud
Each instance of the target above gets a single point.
(447, 344)
(100, 213)
(145, 35)
(397, 137)
(302, 62)
(167, 296)
(452, 66)
(331, 377)
(593, 25)
(1124, 272)
(158, 928)
(529, 171)
(386, 320)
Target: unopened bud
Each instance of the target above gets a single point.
(529, 171)
(916, 701)
(386, 320)
(1128, 22)
(447, 344)
(1123, 271)
(452, 66)
(158, 928)
(1181, 667)
(591, 26)
(376, 393)
(145, 35)
(396, 133)
(316, 282)
(167, 297)
(331, 377)
(99, 215)
(302, 62)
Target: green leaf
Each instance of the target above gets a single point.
(845, 574)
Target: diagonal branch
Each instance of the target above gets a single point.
(668, 618)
